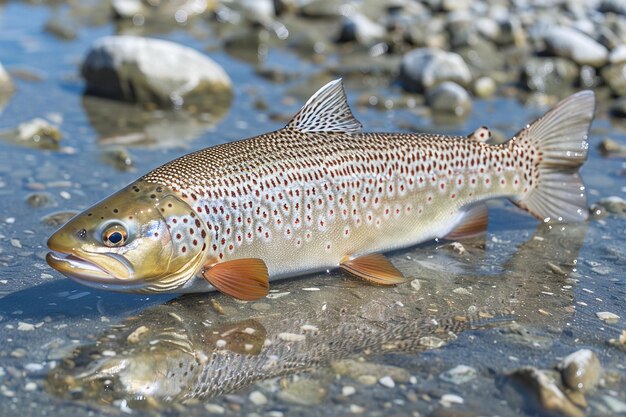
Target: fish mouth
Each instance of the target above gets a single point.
(90, 273)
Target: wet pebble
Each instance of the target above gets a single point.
(485, 87)
(449, 98)
(39, 199)
(58, 219)
(424, 68)
(613, 205)
(416, 285)
(372, 372)
(460, 374)
(25, 327)
(536, 392)
(610, 147)
(186, 78)
(214, 408)
(608, 317)
(387, 381)
(257, 398)
(570, 43)
(348, 390)
(448, 400)
(581, 370)
(304, 392)
(39, 133)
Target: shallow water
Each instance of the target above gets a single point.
(551, 282)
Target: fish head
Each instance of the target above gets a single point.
(128, 242)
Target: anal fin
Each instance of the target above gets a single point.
(244, 279)
(473, 223)
(375, 268)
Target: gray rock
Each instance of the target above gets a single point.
(577, 46)
(549, 75)
(450, 98)
(155, 71)
(581, 370)
(38, 133)
(615, 76)
(6, 85)
(537, 392)
(356, 369)
(424, 68)
(359, 28)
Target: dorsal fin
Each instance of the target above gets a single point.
(326, 111)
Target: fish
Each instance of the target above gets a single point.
(317, 195)
(194, 348)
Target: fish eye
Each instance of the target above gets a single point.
(114, 235)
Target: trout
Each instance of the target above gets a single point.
(316, 195)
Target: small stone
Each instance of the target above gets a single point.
(416, 285)
(612, 148)
(577, 46)
(18, 353)
(39, 199)
(257, 398)
(608, 317)
(16, 243)
(448, 400)
(348, 390)
(485, 87)
(614, 205)
(449, 98)
(618, 55)
(460, 374)
(39, 133)
(431, 341)
(366, 379)
(581, 370)
(536, 392)
(137, 334)
(615, 76)
(356, 409)
(25, 327)
(33, 367)
(214, 408)
(387, 381)
(30, 386)
(372, 371)
(291, 337)
(58, 219)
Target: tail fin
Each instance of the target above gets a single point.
(560, 139)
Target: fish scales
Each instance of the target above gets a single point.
(316, 195)
(322, 196)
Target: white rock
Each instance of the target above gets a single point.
(348, 390)
(387, 381)
(577, 46)
(25, 327)
(147, 70)
(447, 400)
(291, 337)
(257, 398)
(607, 317)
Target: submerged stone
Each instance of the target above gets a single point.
(581, 370)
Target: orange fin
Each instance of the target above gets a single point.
(244, 279)
(482, 134)
(473, 223)
(375, 268)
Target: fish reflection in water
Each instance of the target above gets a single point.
(197, 347)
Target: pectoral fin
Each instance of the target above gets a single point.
(473, 224)
(244, 279)
(375, 268)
